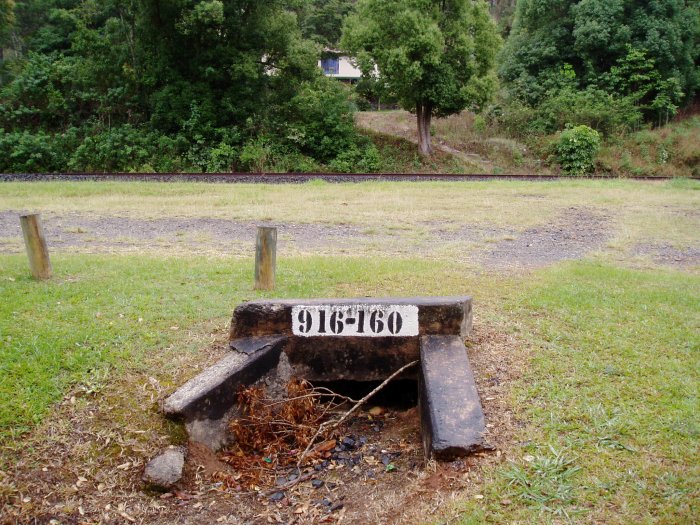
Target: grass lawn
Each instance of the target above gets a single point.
(606, 402)
(610, 401)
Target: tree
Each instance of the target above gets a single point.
(436, 56)
(168, 85)
(322, 20)
(7, 18)
(594, 37)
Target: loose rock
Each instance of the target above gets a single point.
(277, 496)
(317, 483)
(165, 470)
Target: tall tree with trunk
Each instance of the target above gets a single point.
(436, 56)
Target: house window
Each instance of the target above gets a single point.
(330, 66)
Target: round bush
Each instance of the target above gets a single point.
(577, 149)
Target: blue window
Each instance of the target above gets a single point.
(330, 66)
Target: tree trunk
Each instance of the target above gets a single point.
(424, 115)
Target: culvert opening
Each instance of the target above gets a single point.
(316, 429)
(399, 394)
(279, 461)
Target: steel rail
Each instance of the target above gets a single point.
(296, 178)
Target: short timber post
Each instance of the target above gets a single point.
(265, 258)
(37, 251)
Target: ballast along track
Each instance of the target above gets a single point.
(287, 178)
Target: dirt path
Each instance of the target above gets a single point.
(574, 234)
(378, 122)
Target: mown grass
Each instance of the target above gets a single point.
(610, 401)
(96, 313)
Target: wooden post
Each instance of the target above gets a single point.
(37, 251)
(265, 258)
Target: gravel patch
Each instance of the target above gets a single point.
(669, 255)
(573, 235)
(75, 230)
(576, 233)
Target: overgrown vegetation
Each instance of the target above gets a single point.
(673, 151)
(191, 86)
(221, 85)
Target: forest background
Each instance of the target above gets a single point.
(234, 85)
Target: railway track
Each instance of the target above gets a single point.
(287, 178)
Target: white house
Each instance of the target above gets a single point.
(337, 65)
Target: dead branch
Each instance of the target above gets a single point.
(316, 392)
(329, 425)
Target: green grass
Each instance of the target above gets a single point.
(97, 312)
(610, 400)
(373, 204)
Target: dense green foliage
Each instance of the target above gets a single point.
(7, 18)
(576, 150)
(220, 85)
(189, 85)
(322, 20)
(435, 56)
(641, 55)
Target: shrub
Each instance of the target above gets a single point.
(26, 152)
(320, 121)
(256, 155)
(592, 107)
(511, 116)
(605, 112)
(479, 125)
(357, 159)
(576, 150)
(295, 162)
(221, 158)
(121, 148)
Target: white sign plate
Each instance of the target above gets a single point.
(361, 320)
